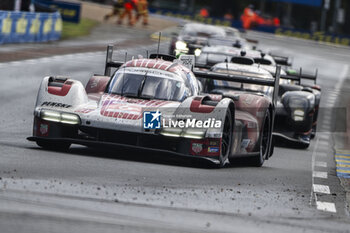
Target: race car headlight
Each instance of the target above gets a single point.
(50, 116)
(194, 134)
(171, 132)
(180, 45)
(72, 119)
(299, 112)
(65, 118)
(197, 52)
(298, 115)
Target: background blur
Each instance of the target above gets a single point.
(331, 16)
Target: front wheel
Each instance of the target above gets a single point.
(265, 137)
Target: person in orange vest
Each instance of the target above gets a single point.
(276, 22)
(142, 11)
(117, 9)
(248, 17)
(204, 12)
(129, 5)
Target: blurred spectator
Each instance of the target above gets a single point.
(228, 15)
(142, 11)
(129, 5)
(276, 22)
(204, 12)
(251, 19)
(248, 16)
(117, 9)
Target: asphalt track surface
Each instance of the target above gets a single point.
(87, 190)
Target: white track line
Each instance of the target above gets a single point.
(318, 174)
(319, 188)
(326, 206)
(321, 154)
(320, 164)
(342, 76)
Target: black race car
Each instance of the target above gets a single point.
(298, 103)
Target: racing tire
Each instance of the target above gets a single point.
(55, 146)
(264, 139)
(226, 142)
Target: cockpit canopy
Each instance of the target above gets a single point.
(145, 83)
(201, 30)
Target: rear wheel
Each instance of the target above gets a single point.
(265, 137)
(226, 141)
(58, 146)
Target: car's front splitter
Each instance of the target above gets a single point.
(101, 144)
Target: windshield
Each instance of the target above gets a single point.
(241, 86)
(222, 42)
(146, 86)
(202, 31)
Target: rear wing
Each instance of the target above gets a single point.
(109, 61)
(298, 76)
(116, 64)
(281, 60)
(244, 79)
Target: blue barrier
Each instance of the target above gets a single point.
(20, 27)
(70, 11)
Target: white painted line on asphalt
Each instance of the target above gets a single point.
(327, 118)
(319, 188)
(326, 126)
(330, 101)
(323, 136)
(342, 76)
(324, 143)
(313, 159)
(326, 206)
(332, 98)
(320, 164)
(318, 174)
(14, 63)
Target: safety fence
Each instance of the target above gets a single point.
(321, 37)
(20, 27)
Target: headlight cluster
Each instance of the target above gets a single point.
(186, 133)
(298, 115)
(298, 107)
(65, 118)
(180, 45)
(197, 52)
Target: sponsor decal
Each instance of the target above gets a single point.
(245, 143)
(214, 143)
(187, 60)
(192, 123)
(213, 149)
(54, 104)
(151, 119)
(197, 147)
(44, 129)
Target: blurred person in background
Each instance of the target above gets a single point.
(142, 11)
(117, 9)
(129, 5)
(228, 15)
(248, 17)
(204, 12)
